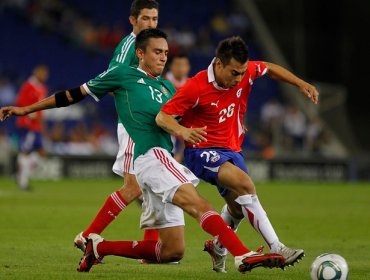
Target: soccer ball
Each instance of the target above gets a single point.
(329, 267)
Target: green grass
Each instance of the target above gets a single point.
(37, 229)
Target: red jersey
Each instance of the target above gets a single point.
(201, 102)
(31, 91)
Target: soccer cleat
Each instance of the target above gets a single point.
(218, 260)
(80, 242)
(292, 256)
(253, 259)
(91, 255)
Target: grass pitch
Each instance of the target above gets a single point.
(37, 230)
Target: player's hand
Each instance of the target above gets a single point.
(310, 91)
(6, 112)
(194, 135)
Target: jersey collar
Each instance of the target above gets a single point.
(148, 74)
(211, 76)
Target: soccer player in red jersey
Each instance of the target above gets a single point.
(168, 187)
(30, 127)
(217, 99)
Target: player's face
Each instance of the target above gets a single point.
(148, 18)
(229, 75)
(41, 73)
(153, 59)
(180, 67)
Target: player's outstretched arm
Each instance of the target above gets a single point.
(59, 99)
(169, 124)
(278, 72)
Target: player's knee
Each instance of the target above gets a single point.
(246, 187)
(172, 255)
(130, 192)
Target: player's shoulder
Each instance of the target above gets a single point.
(125, 51)
(198, 81)
(125, 44)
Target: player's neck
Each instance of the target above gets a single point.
(147, 73)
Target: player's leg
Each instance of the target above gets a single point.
(241, 184)
(211, 222)
(118, 200)
(29, 157)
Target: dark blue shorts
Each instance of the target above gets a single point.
(29, 141)
(204, 163)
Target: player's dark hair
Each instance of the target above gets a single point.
(177, 55)
(143, 37)
(233, 47)
(138, 5)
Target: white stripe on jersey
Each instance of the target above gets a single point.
(122, 56)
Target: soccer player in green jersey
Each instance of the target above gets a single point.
(168, 187)
(143, 15)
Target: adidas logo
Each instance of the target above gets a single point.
(141, 81)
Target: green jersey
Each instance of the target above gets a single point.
(125, 54)
(138, 99)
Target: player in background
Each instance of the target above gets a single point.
(143, 15)
(217, 98)
(168, 187)
(178, 74)
(30, 128)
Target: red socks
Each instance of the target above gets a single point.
(114, 204)
(212, 223)
(151, 234)
(146, 249)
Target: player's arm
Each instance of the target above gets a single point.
(278, 72)
(170, 124)
(61, 98)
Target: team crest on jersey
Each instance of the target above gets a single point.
(239, 92)
(215, 157)
(164, 91)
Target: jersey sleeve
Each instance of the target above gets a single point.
(106, 82)
(185, 98)
(257, 69)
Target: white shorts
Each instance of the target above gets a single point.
(159, 176)
(124, 160)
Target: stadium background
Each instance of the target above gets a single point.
(321, 42)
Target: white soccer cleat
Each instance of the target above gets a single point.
(218, 260)
(291, 256)
(80, 242)
(91, 255)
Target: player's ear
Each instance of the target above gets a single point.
(132, 20)
(139, 53)
(218, 63)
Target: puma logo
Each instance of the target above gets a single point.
(215, 103)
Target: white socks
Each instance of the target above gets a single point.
(26, 164)
(256, 215)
